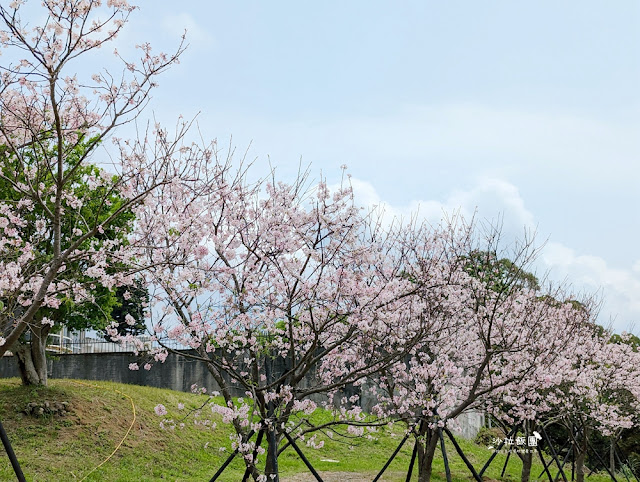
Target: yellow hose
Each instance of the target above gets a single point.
(133, 407)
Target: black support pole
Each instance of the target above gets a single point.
(615, 452)
(444, 456)
(554, 457)
(414, 454)
(272, 439)
(566, 457)
(247, 472)
(554, 453)
(393, 456)
(495, 452)
(606, 467)
(463, 456)
(544, 464)
(12, 456)
(506, 462)
(304, 459)
(229, 459)
(223, 466)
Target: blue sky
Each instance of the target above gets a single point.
(529, 110)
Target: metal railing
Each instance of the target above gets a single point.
(64, 345)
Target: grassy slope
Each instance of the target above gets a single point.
(68, 448)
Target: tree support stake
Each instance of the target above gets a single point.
(12, 456)
(301, 455)
(444, 456)
(544, 464)
(393, 456)
(414, 455)
(463, 456)
(229, 459)
(495, 452)
(247, 472)
(554, 454)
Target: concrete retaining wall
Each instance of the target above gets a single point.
(176, 373)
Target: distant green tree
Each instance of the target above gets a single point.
(98, 203)
(132, 301)
(499, 274)
(629, 339)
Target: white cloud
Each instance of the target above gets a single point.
(367, 196)
(411, 150)
(495, 198)
(620, 288)
(490, 200)
(464, 153)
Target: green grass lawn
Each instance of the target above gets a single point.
(71, 447)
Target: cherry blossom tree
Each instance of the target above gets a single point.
(530, 403)
(490, 328)
(591, 385)
(599, 390)
(276, 283)
(51, 124)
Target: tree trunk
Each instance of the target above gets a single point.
(271, 467)
(612, 455)
(426, 451)
(527, 456)
(581, 456)
(526, 467)
(32, 359)
(226, 393)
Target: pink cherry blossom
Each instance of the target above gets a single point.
(160, 410)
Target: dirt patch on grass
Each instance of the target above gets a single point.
(337, 477)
